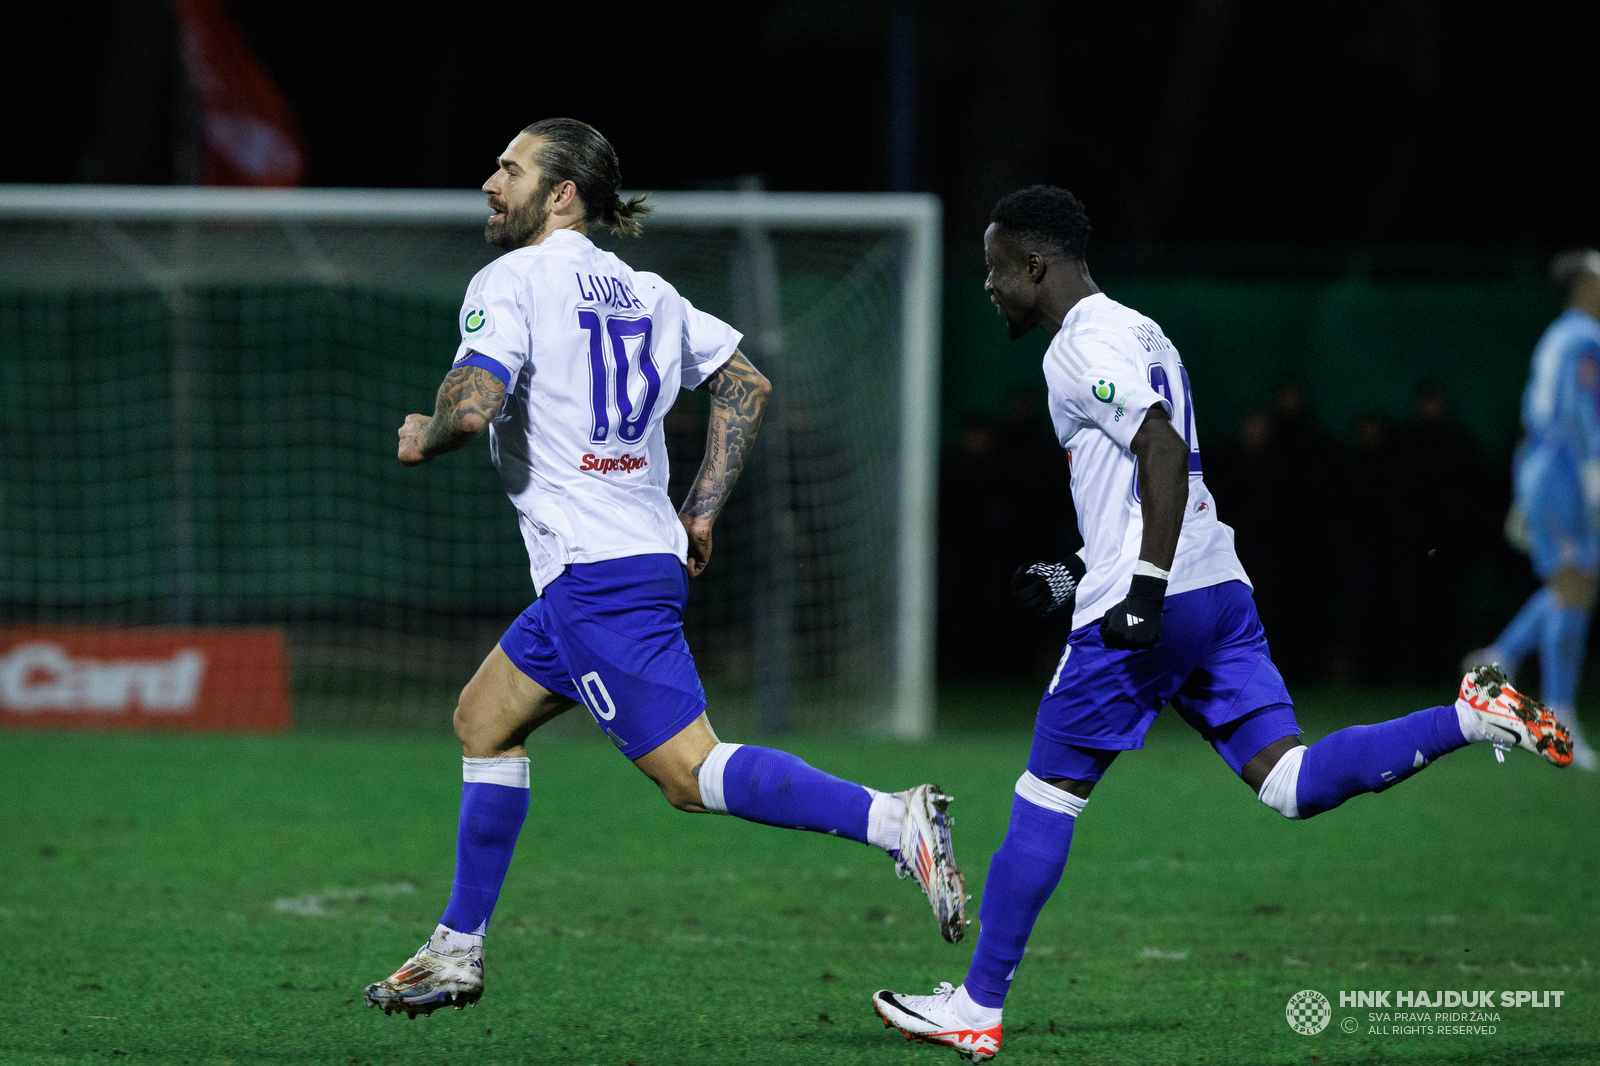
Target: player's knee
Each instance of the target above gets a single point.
(474, 729)
(466, 730)
(1280, 790)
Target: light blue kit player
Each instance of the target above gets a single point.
(570, 359)
(1556, 515)
(1162, 612)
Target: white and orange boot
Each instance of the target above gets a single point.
(1490, 709)
(947, 1017)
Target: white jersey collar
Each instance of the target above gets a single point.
(1083, 306)
(564, 236)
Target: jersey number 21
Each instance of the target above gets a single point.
(1163, 387)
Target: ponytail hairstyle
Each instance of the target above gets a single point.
(577, 152)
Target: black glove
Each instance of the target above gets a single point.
(1045, 588)
(1136, 621)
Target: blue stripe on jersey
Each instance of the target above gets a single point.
(478, 359)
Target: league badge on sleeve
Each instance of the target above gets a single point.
(476, 319)
(1104, 391)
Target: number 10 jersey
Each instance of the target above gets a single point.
(592, 353)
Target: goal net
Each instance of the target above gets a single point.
(204, 386)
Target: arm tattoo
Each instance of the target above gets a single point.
(738, 400)
(468, 398)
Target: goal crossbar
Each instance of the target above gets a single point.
(161, 203)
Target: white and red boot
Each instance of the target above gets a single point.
(947, 1017)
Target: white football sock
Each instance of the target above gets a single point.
(446, 941)
(510, 771)
(1281, 789)
(710, 778)
(973, 1014)
(884, 818)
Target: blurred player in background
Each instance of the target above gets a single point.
(571, 360)
(1162, 611)
(1556, 516)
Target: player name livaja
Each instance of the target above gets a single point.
(603, 289)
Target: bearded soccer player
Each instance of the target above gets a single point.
(1557, 487)
(1161, 610)
(570, 359)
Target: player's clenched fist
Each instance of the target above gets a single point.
(411, 452)
(1136, 621)
(699, 530)
(1044, 588)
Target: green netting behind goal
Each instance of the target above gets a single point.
(201, 423)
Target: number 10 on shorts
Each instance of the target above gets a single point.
(595, 696)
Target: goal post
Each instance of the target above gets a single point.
(221, 304)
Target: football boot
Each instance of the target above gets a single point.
(1511, 720)
(933, 1020)
(429, 981)
(926, 854)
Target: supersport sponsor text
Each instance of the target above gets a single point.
(613, 464)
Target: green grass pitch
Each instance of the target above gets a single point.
(224, 900)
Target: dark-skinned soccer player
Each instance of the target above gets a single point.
(1161, 611)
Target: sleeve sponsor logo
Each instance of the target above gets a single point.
(476, 320)
(1122, 405)
(1104, 391)
(613, 464)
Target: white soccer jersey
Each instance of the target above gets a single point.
(1106, 368)
(594, 353)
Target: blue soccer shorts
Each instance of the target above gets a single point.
(1211, 663)
(610, 635)
(1550, 493)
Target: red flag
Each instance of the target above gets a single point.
(250, 135)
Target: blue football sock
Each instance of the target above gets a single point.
(1370, 758)
(1523, 633)
(1022, 875)
(1562, 647)
(494, 803)
(775, 788)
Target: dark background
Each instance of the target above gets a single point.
(1403, 160)
(1319, 121)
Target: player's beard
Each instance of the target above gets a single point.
(520, 224)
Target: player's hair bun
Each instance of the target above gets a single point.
(623, 217)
